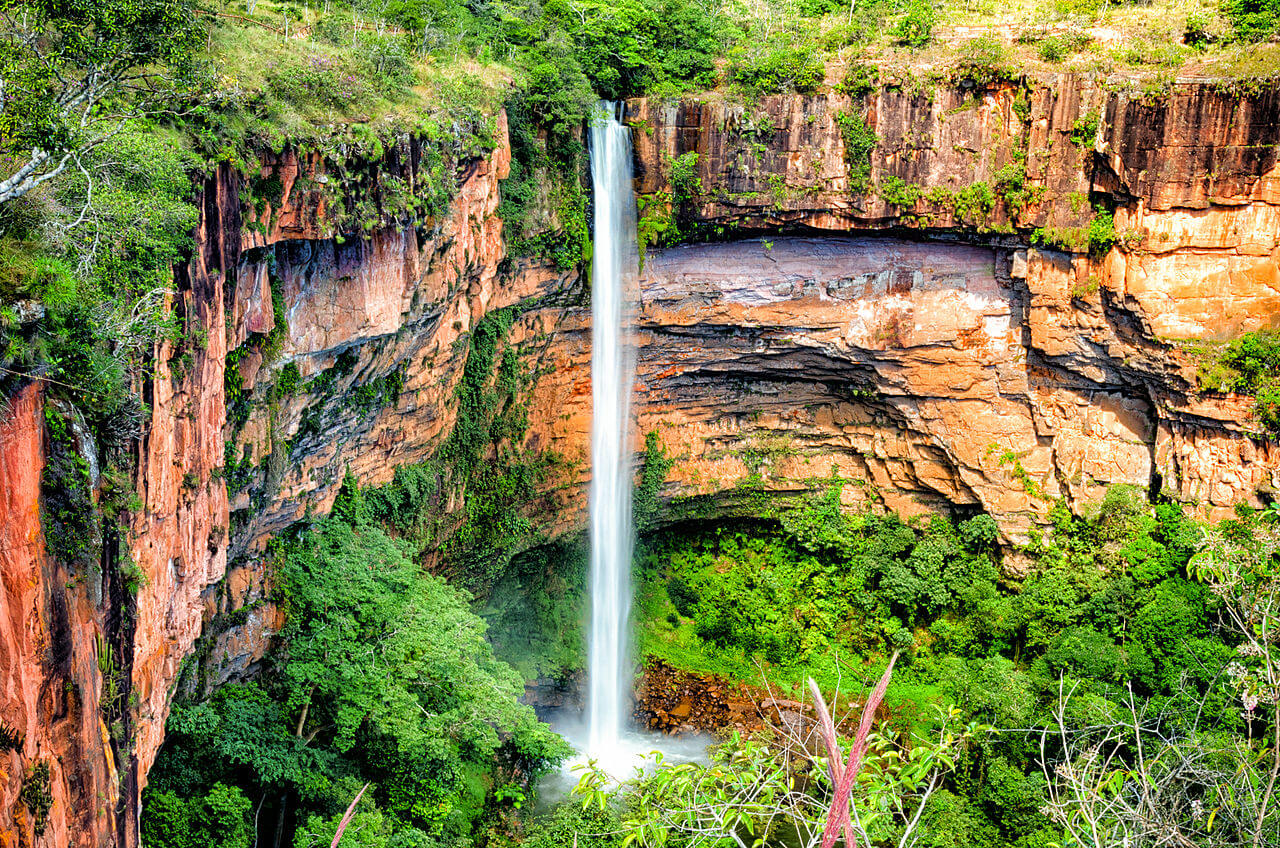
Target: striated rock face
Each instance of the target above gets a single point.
(179, 539)
(913, 371)
(924, 352)
(1193, 178)
(1048, 376)
(51, 632)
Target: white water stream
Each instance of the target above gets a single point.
(614, 266)
(605, 735)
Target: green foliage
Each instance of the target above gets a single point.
(102, 281)
(897, 192)
(1055, 48)
(1252, 20)
(747, 787)
(345, 586)
(482, 463)
(66, 493)
(859, 142)
(859, 80)
(485, 455)
(973, 203)
(1106, 603)
(633, 47)
(1096, 238)
(381, 671)
(64, 61)
(1085, 128)
(1011, 185)
(782, 64)
(37, 795)
(1246, 365)
(916, 26)
(685, 183)
(586, 826)
(368, 828)
(221, 817)
(1249, 365)
(653, 473)
(538, 164)
(537, 611)
(824, 582)
(983, 61)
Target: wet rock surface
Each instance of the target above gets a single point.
(674, 701)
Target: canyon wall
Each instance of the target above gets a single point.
(1053, 374)
(902, 336)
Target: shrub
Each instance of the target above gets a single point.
(859, 141)
(859, 80)
(784, 65)
(1102, 233)
(385, 61)
(1055, 48)
(916, 27)
(685, 183)
(1249, 365)
(1252, 20)
(317, 79)
(1085, 129)
(983, 61)
(973, 203)
(898, 192)
(1011, 184)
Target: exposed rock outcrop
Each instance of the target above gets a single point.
(54, 740)
(1050, 376)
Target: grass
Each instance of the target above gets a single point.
(1144, 43)
(264, 89)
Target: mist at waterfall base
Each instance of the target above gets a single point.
(603, 733)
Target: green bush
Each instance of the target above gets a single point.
(1252, 20)
(385, 61)
(1056, 48)
(982, 62)
(916, 26)
(1249, 365)
(785, 64)
(318, 79)
(859, 80)
(221, 817)
(685, 183)
(859, 142)
(633, 47)
(897, 192)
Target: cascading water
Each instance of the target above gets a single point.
(614, 288)
(613, 275)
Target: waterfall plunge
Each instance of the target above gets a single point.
(614, 266)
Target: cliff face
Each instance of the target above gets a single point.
(910, 342)
(56, 747)
(1003, 376)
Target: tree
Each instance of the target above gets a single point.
(1134, 774)
(73, 71)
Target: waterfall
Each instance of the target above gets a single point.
(614, 267)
